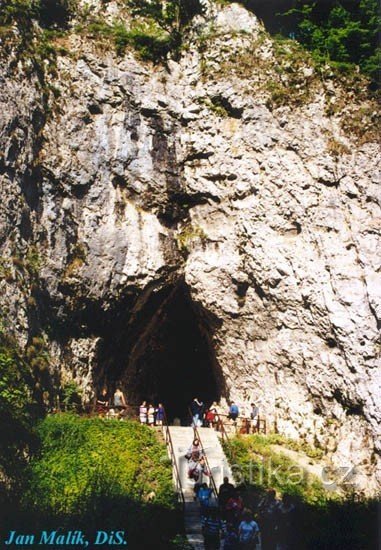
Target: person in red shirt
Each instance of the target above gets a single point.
(234, 508)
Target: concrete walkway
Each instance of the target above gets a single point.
(182, 438)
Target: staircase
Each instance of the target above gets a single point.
(182, 438)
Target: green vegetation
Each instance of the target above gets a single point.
(341, 32)
(18, 411)
(49, 13)
(100, 475)
(155, 29)
(188, 234)
(286, 78)
(294, 445)
(256, 451)
(67, 470)
(70, 396)
(323, 519)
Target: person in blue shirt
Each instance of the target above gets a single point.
(248, 531)
(233, 411)
(212, 527)
(203, 495)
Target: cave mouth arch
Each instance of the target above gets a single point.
(164, 352)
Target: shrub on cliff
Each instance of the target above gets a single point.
(18, 410)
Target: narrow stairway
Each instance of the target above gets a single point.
(182, 438)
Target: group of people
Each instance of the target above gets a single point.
(229, 521)
(209, 417)
(197, 467)
(278, 521)
(116, 405)
(270, 527)
(151, 415)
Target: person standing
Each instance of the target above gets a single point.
(212, 527)
(234, 507)
(210, 417)
(248, 531)
(254, 417)
(151, 415)
(196, 410)
(160, 415)
(225, 491)
(119, 400)
(233, 411)
(285, 522)
(195, 450)
(203, 495)
(143, 413)
(267, 511)
(102, 402)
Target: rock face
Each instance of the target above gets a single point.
(140, 177)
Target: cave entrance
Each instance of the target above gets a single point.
(174, 360)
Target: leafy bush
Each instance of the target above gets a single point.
(101, 475)
(18, 410)
(70, 396)
(163, 25)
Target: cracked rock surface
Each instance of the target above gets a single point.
(276, 206)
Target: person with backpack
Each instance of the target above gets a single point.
(233, 411)
(248, 531)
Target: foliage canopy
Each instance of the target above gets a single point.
(343, 31)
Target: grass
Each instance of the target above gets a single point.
(323, 520)
(257, 463)
(294, 445)
(99, 475)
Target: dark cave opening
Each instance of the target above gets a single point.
(162, 351)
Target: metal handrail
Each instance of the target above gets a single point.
(197, 435)
(213, 483)
(169, 443)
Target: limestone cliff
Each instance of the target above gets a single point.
(237, 169)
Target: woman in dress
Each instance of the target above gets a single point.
(143, 413)
(151, 415)
(160, 415)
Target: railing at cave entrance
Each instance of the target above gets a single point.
(171, 451)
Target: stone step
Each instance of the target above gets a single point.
(182, 438)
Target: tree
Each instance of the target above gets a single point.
(345, 32)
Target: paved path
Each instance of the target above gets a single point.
(182, 438)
